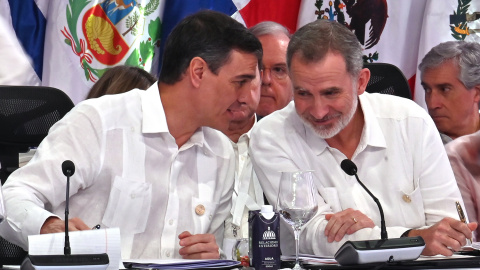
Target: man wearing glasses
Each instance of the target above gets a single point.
(276, 90)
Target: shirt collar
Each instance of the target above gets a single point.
(372, 133)
(155, 121)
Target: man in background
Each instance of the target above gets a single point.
(392, 140)
(148, 162)
(248, 194)
(276, 85)
(450, 74)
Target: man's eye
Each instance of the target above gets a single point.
(303, 93)
(241, 83)
(446, 89)
(331, 93)
(279, 70)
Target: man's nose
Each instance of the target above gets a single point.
(267, 76)
(433, 99)
(319, 108)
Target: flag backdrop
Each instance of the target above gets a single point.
(73, 42)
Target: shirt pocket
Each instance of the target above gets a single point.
(203, 212)
(411, 205)
(128, 206)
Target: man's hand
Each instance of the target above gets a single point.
(198, 246)
(345, 222)
(55, 225)
(445, 237)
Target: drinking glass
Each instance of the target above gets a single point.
(240, 252)
(296, 202)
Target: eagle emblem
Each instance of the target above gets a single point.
(361, 12)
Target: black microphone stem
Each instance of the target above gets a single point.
(66, 249)
(383, 228)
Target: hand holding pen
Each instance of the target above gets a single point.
(462, 217)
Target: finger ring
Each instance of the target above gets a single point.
(354, 220)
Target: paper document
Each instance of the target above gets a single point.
(180, 264)
(81, 242)
(310, 259)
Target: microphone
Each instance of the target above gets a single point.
(351, 169)
(80, 261)
(68, 169)
(384, 250)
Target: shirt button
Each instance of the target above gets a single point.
(210, 217)
(406, 198)
(200, 210)
(167, 253)
(133, 196)
(170, 221)
(242, 158)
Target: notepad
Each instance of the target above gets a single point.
(81, 242)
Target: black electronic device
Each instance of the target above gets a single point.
(67, 260)
(383, 250)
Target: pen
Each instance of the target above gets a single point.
(96, 227)
(461, 215)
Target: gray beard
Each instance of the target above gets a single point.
(334, 129)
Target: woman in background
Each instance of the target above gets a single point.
(120, 79)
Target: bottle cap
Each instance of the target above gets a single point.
(267, 211)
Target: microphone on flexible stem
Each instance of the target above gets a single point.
(384, 250)
(351, 169)
(79, 261)
(68, 169)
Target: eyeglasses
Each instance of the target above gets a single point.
(278, 72)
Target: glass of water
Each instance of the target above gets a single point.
(296, 202)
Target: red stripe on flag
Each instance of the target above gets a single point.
(411, 83)
(284, 12)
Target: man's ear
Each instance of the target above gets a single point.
(196, 71)
(476, 96)
(362, 81)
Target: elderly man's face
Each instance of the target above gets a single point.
(451, 105)
(325, 94)
(276, 90)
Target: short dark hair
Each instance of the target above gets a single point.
(207, 34)
(120, 79)
(314, 40)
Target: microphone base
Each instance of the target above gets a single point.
(372, 251)
(77, 262)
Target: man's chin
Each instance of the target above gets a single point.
(239, 116)
(323, 131)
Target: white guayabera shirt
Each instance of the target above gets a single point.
(129, 174)
(400, 158)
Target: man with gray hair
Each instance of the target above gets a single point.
(392, 140)
(276, 90)
(450, 74)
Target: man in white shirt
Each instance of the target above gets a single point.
(392, 140)
(247, 194)
(148, 162)
(276, 85)
(450, 76)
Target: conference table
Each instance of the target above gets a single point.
(458, 262)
